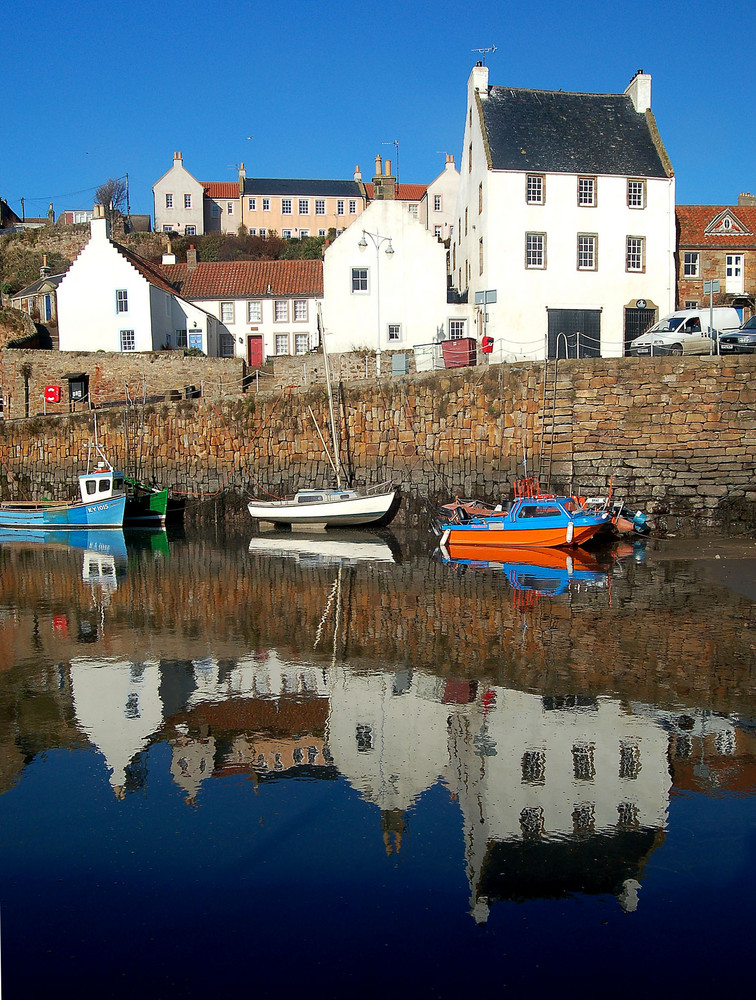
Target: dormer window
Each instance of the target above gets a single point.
(726, 222)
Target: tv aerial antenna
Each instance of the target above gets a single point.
(491, 49)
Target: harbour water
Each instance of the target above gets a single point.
(246, 764)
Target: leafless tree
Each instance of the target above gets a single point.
(112, 196)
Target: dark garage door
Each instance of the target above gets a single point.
(637, 321)
(575, 333)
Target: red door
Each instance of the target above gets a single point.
(255, 352)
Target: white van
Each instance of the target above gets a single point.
(685, 332)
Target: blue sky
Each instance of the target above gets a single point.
(93, 91)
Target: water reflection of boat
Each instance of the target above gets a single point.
(346, 548)
(106, 541)
(547, 571)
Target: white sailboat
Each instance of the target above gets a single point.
(343, 506)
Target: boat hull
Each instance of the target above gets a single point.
(105, 513)
(146, 509)
(351, 512)
(498, 532)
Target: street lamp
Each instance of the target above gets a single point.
(377, 240)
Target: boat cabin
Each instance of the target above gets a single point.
(324, 496)
(101, 483)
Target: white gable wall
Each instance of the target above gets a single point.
(177, 183)
(407, 288)
(87, 316)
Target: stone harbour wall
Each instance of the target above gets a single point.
(673, 436)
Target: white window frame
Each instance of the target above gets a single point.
(691, 263)
(227, 312)
(304, 206)
(254, 311)
(168, 200)
(413, 209)
(340, 206)
(438, 232)
(128, 340)
(285, 234)
(286, 206)
(122, 300)
(636, 193)
(304, 233)
(281, 311)
(229, 208)
(266, 204)
(282, 344)
(535, 189)
(586, 192)
(394, 333)
(301, 311)
(187, 202)
(190, 231)
(587, 252)
(352, 206)
(360, 281)
(301, 344)
(320, 206)
(457, 329)
(635, 254)
(535, 251)
(252, 204)
(437, 202)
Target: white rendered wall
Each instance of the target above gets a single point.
(87, 317)
(408, 287)
(178, 182)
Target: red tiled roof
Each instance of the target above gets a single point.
(222, 189)
(247, 278)
(404, 192)
(693, 220)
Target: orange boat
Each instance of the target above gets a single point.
(529, 520)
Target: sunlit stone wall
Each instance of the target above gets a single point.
(674, 436)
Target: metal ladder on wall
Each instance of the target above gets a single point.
(553, 406)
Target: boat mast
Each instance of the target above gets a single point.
(334, 442)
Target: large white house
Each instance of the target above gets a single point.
(385, 284)
(564, 236)
(111, 299)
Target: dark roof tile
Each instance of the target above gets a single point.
(556, 132)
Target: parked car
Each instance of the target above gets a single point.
(685, 332)
(742, 341)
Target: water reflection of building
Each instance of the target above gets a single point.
(117, 703)
(558, 796)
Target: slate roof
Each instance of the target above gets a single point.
(556, 132)
(301, 186)
(693, 221)
(404, 192)
(242, 279)
(34, 288)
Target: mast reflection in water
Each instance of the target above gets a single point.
(338, 762)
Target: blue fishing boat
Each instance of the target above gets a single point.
(101, 505)
(532, 519)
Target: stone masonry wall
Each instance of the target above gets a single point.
(673, 436)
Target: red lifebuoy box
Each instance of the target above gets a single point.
(487, 345)
(52, 393)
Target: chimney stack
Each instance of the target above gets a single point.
(357, 174)
(384, 183)
(169, 257)
(746, 198)
(44, 270)
(242, 179)
(191, 259)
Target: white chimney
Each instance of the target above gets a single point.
(169, 257)
(639, 92)
(357, 173)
